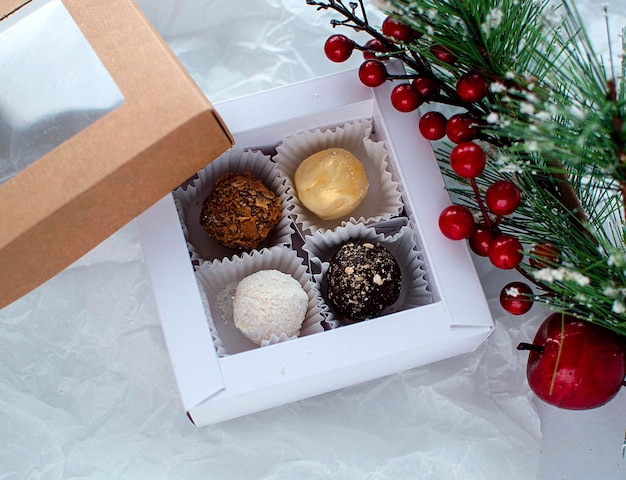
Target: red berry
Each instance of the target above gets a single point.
(467, 160)
(480, 240)
(426, 87)
(443, 55)
(456, 222)
(432, 125)
(515, 298)
(472, 87)
(399, 31)
(544, 255)
(505, 252)
(372, 73)
(502, 197)
(338, 48)
(462, 127)
(405, 98)
(371, 47)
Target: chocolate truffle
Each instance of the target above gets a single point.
(240, 211)
(363, 279)
(269, 302)
(331, 183)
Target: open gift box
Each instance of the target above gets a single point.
(98, 120)
(216, 387)
(151, 133)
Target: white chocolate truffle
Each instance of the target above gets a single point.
(269, 302)
(331, 183)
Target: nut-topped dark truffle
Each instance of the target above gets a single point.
(240, 211)
(363, 279)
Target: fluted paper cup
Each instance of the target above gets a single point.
(414, 290)
(190, 197)
(218, 281)
(383, 199)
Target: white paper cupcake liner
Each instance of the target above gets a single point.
(218, 281)
(202, 247)
(217, 341)
(414, 291)
(383, 199)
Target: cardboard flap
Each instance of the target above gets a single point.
(8, 7)
(71, 199)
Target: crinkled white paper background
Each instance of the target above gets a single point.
(87, 390)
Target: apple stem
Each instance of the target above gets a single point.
(530, 346)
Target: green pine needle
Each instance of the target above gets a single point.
(554, 119)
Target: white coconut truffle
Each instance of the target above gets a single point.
(269, 302)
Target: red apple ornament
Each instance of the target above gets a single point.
(574, 364)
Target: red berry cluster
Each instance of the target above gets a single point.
(405, 97)
(467, 158)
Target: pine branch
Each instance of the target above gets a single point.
(569, 161)
(554, 121)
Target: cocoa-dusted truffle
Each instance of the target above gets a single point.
(331, 183)
(269, 302)
(363, 279)
(240, 211)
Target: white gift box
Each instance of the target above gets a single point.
(458, 320)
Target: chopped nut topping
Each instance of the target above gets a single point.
(240, 212)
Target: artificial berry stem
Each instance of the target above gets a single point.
(364, 12)
(481, 204)
(408, 76)
(410, 59)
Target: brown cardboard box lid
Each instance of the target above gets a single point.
(71, 199)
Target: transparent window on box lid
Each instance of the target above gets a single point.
(52, 84)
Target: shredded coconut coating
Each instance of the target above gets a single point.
(269, 302)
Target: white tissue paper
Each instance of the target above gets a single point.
(86, 385)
